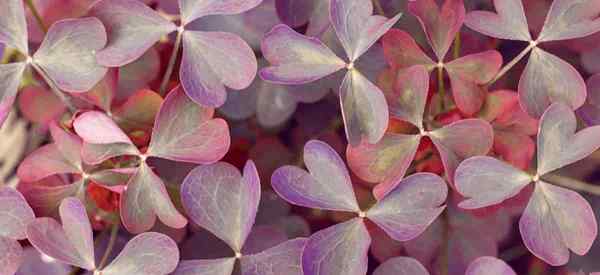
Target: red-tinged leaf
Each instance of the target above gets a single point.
(407, 210)
(103, 93)
(68, 144)
(212, 61)
(295, 13)
(548, 79)
(132, 28)
(468, 96)
(222, 266)
(217, 196)
(486, 181)
(68, 42)
(45, 199)
(97, 153)
(555, 221)
(282, 259)
(478, 68)
(15, 214)
(356, 27)
(364, 109)
(515, 148)
(72, 242)
(508, 23)
(194, 9)
(327, 186)
(460, 140)
(40, 105)
(401, 266)
(138, 74)
(43, 162)
(339, 249)
(558, 145)
(441, 24)
(186, 131)
(568, 19)
(489, 265)
(498, 103)
(112, 177)
(146, 198)
(97, 128)
(139, 111)
(149, 253)
(13, 27)
(385, 162)
(10, 78)
(295, 58)
(402, 51)
(409, 95)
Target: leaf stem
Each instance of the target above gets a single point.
(378, 7)
(66, 100)
(111, 245)
(36, 15)
(441, 87)
(573, 184)
(457, 45)
(165, 81)
(512, 63)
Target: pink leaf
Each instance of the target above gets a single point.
(569, 19)
(13, 27)
(409, 95)
(193, 9)
(508, 23)
(97, 128)
(15, 214)
(40, 105)
(401, 266)
(489, 265)
(11, 255)
(103, 93)
(402, 51)
(222, 266)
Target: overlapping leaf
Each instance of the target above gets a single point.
(489, 265)
(401, 266)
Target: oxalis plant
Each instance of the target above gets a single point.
(291, 137)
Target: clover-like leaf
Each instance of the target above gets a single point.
(11, 255)
(72, 242)
(46, 199)
(149, 253)
(132, 29)
(104, 92)
(10, 78)
(15, 216)
(295, 58)
(68, 53)
(408, 209)
(13, 27)
(486, 181)
(356, 27)
(40, 105)
(439, 23)
(508, 23)
(401, 266)
(555, 221)
(213, 60)
(364, 109)
(570, 19)
(402, 51)
(489, 265)
(327, 186)
(558, 144)
(222, 201)
(590, 111)
(193, 9)
(548, 79)
(409, 95)
(185, 131)
(284, 258)
(222, 266)
(339, 249)
(145, 199)
(43, 162)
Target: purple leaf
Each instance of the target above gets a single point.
(146, 254)
(555, 221)
(263, 237)
(193, 9)
(45, 200)
(275, 104)
(146, 198)
(409, 95)
(11, 255)
(132, 29)
(440, 24)
(222, 201)
(489, 265)
(486, 181)
(401, 266)
(72, 243)
(15, 214)
(356, 27)
(10, 79)
(213, 60)
(186, 131)
(104, 92)
(509, 22)
(35, 263)
(206, 267)
(568, 19)
(328, 185)
(548, 79)
(68, 144)
(282, 259)
(460, 140)
(295, 58)
(408, 209)
(68, 53)
(385, 162)
(364, 109)
(590, 112)
(295, 13)
(558, 144)
(13, 27)
(339, 249)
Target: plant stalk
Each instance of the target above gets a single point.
(165, 81)
(378, 7)
(36, 15)
(511, 64)
(573, 184)
(66, 100)
(441, 87)
(111, 244)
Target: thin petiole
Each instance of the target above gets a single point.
(36, 15)
(573, 184)
(111, 244)
(378, 7)
(165, 81)
(512, 63)
(66, 100)
(441, 86)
